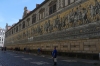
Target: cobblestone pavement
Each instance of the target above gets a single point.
(10, 58)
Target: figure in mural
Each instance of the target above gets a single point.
(97, 6)
(92, 11)
(57, 21)
(67, 20)
(50, 28)
(46, 26)
(33, 30)
(62, 23)
(79, 14)
(39, 31)
(84, 16)
(68, 17)
(71, 17)
(76, 17)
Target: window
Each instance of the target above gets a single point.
(2, 39)
(68, 2)
(41, 13)
(17, 29)
(23, 25)
(3, 33)
(12, 31)
(52, 9)
(34, 18)
(19, 26)
(59, 3)
(63, 3)
(28, 21)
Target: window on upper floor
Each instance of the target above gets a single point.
(60, 3)
(52, 7)
(41, 13)
(19, 26)
(63, 3)
(23, 24)
(28, 22)
(3, 33)
(68, 2)
(33, 18)
(12, 31)
(2, 39)
(9, 32)
(17, 29)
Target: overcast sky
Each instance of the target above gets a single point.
(12, 10)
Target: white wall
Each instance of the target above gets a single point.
(2, 37)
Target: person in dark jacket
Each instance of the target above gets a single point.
(39, 51)
(54, 55)
(5, 48)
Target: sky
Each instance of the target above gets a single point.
(12, 10)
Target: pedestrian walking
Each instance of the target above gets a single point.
(39, 51)
(2, 48)
(5, 48)
(54, 55)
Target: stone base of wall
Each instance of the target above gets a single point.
(78, 46)
(84, 48)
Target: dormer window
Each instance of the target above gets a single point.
(41, 13)
(23, 25)
(33, 18)
(17, 29)
(52, 7)
(28, 22)
(20, 26)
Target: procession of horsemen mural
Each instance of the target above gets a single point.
(77, 16)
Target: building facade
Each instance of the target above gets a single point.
(73, 26)
(2, 37)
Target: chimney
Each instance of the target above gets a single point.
(37, 5)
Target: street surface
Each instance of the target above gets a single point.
(13, 58)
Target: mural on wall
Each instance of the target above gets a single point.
(83, 15)
(77, 16)
(74, 17)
